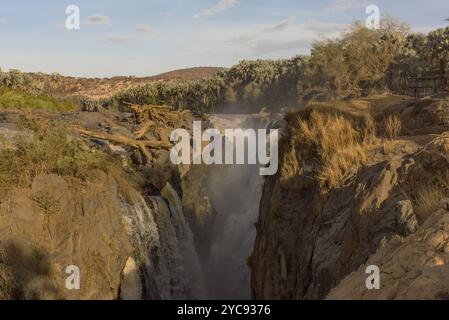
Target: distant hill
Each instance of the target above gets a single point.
(66, 86)
(194, 73)
(188, 74)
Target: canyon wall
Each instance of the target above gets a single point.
(317, 234)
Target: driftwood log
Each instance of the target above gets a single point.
(147, 117)
(142, 145)
(153, 116)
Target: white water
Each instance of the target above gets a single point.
(178, 249)
(235, 194)
(169, 266)
(165, 252)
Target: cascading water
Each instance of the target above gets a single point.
(236, 200)
(235, 191)
(166, 263)
(164, 250)
(177, 244)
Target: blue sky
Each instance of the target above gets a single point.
(146, 37)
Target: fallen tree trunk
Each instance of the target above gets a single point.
(152, 116)
(142, 145)
(145, 128)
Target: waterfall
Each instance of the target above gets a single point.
(168, 266)
(235, 191)
(178, 254)
(236, 199)
(144, 236)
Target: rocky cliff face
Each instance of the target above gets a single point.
(360, 183)
(54, 224)
(112, 210)
(136, 226)
(415, 267)
(383, 204)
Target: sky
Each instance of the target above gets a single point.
(147, 37)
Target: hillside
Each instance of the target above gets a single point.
(188, 74)
(99, 88)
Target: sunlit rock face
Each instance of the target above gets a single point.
(55, 224)
(389, 212)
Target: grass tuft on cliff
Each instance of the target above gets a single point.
(331, 142)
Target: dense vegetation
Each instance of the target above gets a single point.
(19, 91)
(248, 84)
(359, 63)
(18, 99)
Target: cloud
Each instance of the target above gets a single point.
(280, 26)
(143, 28)
(97, 19)
(117, 40)
(321, 27)
(285, 37)
(3, 20)
(244, 39)
(346, 5)
(220, 6)
(270, 46)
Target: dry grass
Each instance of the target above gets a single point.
(336, 143)
(435, 187)
(427, 198)
(334, 170)
(48, 203)
(393, 127)
(48, 149)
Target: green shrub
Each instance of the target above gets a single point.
(16, 99)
